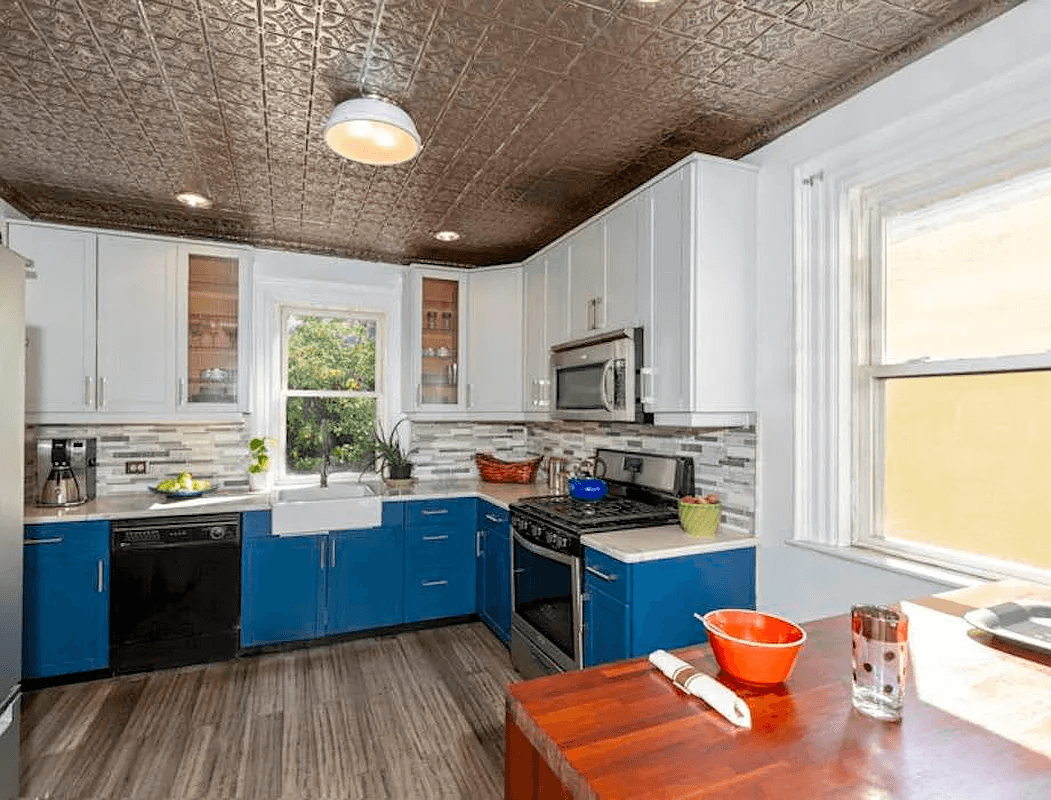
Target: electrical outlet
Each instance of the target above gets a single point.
(134, 467)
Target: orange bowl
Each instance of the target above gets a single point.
(752, 646)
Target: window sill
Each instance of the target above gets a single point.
(895, 563)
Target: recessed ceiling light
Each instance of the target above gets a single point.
(446, 236)
(193, 200)
(372, 130)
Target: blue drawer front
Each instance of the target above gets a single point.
(431, 513)
(439, 592)
(491, 517)
(255, 524)
(619, 575)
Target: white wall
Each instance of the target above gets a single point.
(803, 584)
(320, 281)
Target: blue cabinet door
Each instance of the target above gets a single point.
(282, 584)
(495, 606)
(366, 577)
(608, 628)
(440, 559)
(65, 598)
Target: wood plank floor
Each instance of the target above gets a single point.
(416, 715)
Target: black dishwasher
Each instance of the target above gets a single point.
(175, 591)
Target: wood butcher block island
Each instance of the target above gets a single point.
(977, 723)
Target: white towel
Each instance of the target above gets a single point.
(692, 681)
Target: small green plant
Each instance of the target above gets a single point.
(389, 451)
(259, 450)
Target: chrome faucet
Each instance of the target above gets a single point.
(324, 453)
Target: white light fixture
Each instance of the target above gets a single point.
(193, 200)
(372, 130)
(446, 236)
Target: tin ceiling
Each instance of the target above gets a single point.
(534, 114)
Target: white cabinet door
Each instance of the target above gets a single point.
(534, 338)
(437, 333)
(557, 316)
(60, 318)
(624, 307)
(587, 279)
(494, 360)
(671, 330)
(136, 325)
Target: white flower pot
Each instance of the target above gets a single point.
(259, 481)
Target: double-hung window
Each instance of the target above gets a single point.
(331, 380)
(953, 377)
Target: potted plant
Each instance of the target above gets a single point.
(259, 466)
(390, 453)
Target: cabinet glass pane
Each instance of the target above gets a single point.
(212, 343)
(440, 346)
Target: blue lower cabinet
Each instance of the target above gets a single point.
(366, 578)
(607, 632)
(65, 625)
(634, 609)
(494, 569)
(440, 560)
(281, 585)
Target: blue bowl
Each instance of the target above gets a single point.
(587, 488)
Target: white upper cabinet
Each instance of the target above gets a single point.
(494, 337)
(701, 371)
(537, 394)
(111, 326)
(627, 264)
(136, 325)
(557, 317)
(60, 318)
(587, 279)
(437, 333)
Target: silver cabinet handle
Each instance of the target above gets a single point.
(419, 395)
(591, 314)
(598, 302)
(603, 575)
(436, 538)
(646, 390)
(430, 512)
(434, 583)
(478, 543)
(545, 394)
(323, 543)
(103, 400)
(332, 553)
(469, 404)
(494, 518)
(534, 392)
(180, 390)
(50, 540)
(89, 393)
(102, 586)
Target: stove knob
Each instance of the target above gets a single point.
(217, 532)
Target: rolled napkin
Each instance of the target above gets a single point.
(692, 681)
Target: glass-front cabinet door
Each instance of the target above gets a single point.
(211, 300)
(440, 343)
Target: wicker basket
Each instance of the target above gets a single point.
(700, 520)
(493, 470)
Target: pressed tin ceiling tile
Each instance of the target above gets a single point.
(534, 114)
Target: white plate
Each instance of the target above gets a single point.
(1026, 623)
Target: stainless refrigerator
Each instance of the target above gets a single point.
(12, 459)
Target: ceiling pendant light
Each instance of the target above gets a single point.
(372, 130)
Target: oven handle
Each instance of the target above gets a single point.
(543, 552)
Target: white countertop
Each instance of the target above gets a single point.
(629, 546)
(635, 545)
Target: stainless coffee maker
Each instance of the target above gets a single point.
(65, 471)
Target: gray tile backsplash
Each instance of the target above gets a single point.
(724, 459)
(213, 451)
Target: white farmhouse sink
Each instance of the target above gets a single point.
(311, 509)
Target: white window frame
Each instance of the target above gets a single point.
(284, 393)
(998, 130)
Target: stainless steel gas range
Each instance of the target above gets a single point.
(547, 622)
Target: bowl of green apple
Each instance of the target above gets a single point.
(182, 486)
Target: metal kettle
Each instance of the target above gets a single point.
(61, 487)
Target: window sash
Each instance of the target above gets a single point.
(285, 393)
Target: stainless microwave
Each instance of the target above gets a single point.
(597, 378)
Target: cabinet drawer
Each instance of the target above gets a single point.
(430, 513)
(607, 575)
(493, 518)
(255, 524)
(445, 546)
(439, 592)
(87, 540)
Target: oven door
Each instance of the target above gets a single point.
(546, 604)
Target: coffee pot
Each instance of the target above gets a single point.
(557, 476)
(69, 465)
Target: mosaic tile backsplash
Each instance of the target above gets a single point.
(213, 451)
(724, 459)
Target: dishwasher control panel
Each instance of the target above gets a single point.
(211, 529)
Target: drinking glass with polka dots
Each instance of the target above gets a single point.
(880, 638)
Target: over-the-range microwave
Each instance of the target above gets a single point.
(597, 378)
